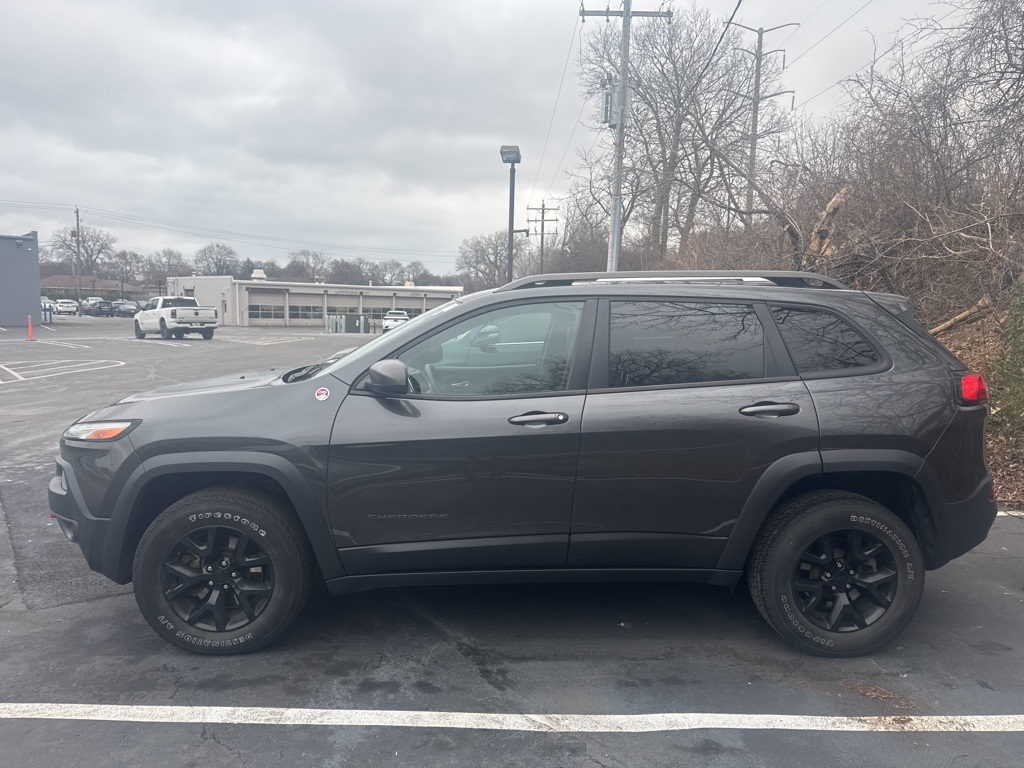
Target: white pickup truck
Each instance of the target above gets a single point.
(174, 316)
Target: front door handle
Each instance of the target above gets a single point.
(770, 410)
(539, 419)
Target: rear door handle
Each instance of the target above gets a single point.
(539, 419)
(770, 410)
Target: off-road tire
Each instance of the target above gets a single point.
(138, 331)
(779, 572)
(275, 542)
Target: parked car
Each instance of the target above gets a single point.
(46, 305)
(126, 308)
(393, 319)
(97, 307)
(577, 427)
(174, 316)
(65, 307)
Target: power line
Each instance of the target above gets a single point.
(554, 110)
(246, 238)
(834, 30)
(842, 80)
(823, 4)
(714, 51)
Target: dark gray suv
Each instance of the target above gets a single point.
(591, 427)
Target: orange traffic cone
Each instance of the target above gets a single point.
(30, 328)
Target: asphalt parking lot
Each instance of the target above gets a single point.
(568, 675)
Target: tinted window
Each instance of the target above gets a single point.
(509, 351)
(819, 341)
(660, 342)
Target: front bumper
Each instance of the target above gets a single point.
(70, 510)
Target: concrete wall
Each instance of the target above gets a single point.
(19, 280)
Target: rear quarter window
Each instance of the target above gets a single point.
(820, 342)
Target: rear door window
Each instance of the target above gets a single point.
(655, 343)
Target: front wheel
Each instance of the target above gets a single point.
(836, 574)
(138, 331)
(222, 571)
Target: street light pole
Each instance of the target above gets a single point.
(510, 154)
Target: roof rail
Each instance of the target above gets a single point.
(720, 277)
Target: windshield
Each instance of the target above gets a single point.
(404, 330)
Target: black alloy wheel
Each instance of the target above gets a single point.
(836, 573)
(222, 571)
(845, 580)
(217, 579)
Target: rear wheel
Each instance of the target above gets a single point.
(179, 334)
(207, 333)
(138, 331)
(165, 332)
(222, 571)
(836, 574)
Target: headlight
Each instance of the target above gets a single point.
(98, 430)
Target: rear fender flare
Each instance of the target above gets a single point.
(791, 469)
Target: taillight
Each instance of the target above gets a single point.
(174, 313)
(973, 389)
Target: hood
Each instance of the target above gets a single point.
(232, 383)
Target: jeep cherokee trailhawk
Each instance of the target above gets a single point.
(584, 427)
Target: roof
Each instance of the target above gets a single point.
(87, 282)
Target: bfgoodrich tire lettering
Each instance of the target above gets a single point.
(222, 571)
(836, 574)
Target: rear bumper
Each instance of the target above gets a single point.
(963, 525)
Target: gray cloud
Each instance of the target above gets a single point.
(374, 125)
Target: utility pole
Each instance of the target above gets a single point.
(627, 13)
(542, 220)
(77, 268)
(757, 98)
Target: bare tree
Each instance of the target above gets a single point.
(83, 250)
(217, 259)
(314, 266)
(125, 267)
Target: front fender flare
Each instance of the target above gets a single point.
(310, 512)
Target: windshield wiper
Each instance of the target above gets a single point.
(300, 374)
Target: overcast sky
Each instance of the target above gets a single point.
(361, 129)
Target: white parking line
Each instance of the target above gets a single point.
(13, 373)
(1010, 513)
(65, 344)
(169, 343)
(35, 371)
(488, 721)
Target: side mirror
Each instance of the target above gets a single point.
(487, 337)
(389, 378)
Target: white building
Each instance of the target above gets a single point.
(261, 301)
